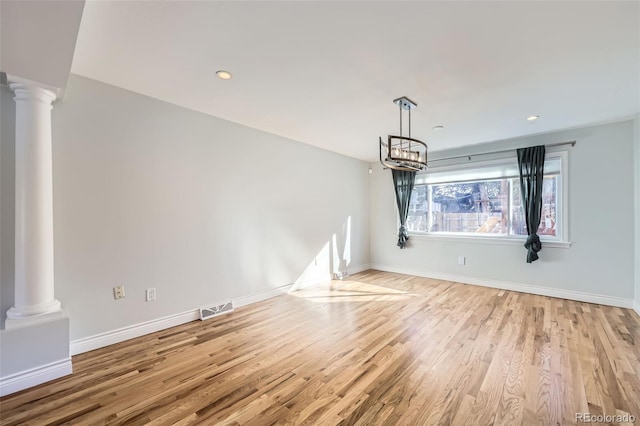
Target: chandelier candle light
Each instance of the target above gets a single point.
(403, 152)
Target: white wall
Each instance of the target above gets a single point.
(601, 200)
(7, 197)
(148, 194)
(637, 210)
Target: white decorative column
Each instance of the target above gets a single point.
(34, 288)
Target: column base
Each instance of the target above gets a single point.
(34, 351)
(34, 310)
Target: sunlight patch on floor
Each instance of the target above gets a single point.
(350, 291)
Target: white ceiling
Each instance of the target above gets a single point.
(37, 40)
(325, 73)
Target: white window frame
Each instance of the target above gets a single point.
(561, 241)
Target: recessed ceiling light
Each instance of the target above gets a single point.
(225, 75)
(533, 117)
(436, 128)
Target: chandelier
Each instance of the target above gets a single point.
(404, 152)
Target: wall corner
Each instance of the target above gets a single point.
(636, 184)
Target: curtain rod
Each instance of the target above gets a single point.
(572, 143)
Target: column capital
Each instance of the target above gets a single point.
(32, 90)
(34, 93)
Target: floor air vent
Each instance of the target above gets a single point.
(214, 311)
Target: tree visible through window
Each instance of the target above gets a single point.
(489, 206)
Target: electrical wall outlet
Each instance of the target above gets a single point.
(151, 294)
(118, 292)
(462, 260)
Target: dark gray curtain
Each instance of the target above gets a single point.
(531, 165)
(403, 182)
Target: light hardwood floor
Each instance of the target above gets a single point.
(381, 348)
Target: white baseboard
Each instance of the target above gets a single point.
(299, 285)
(523, 288)
(359, 268)
(255, 298)
(101, 340)
(35, 376)
(636, 307)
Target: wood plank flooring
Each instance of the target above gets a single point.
(381, 348)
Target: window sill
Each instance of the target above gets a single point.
(487, 240)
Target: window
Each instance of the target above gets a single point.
(483, 200)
